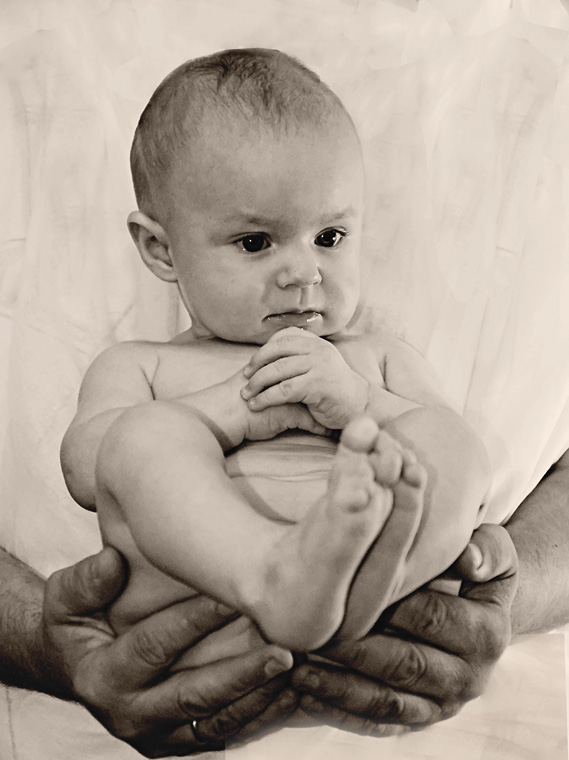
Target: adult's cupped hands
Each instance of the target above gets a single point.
(429, 654)
(125, 681)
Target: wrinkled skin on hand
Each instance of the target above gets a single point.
(124, 681)
(429, 654)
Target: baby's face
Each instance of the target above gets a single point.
(266, 232)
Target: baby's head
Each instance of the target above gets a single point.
(248, 176)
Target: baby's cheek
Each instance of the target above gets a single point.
(342, 303)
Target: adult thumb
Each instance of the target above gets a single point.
(86, 587)
(489, 555)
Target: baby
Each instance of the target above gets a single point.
(249, 180)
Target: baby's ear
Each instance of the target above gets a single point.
(153, 245)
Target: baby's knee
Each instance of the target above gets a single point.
(132, 440)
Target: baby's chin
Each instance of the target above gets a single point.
(318, 326)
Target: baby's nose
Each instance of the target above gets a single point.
(300, 270)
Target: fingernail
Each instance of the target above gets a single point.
(247, 370)
(245, 392)
(274, 667)
(287, 699)
(477, 557)
(311, 680)
(309, 703)
(252, 403)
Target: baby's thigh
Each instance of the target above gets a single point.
(149, 590)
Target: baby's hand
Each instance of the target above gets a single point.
(296, 366)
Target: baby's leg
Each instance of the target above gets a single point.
(160, 472)
(303, 593)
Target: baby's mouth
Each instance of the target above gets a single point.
(295, 318)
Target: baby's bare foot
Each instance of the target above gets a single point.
(380, 576)
(301, 602)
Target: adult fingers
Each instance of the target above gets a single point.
(204, 691)
(340, 718)
(477, 622)
(149, 648)
(258, 710)
(280, 708)
(86, 587)
(474, 625)
(383, 696)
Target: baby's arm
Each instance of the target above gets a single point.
(338, 380)
(121, 378)
(118, 379)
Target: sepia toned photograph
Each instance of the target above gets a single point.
(284, 379)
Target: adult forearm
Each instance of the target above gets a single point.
(22, 657)
(540, 532)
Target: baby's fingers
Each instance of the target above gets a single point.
(291, 391)
(276, 372)
(290, 342)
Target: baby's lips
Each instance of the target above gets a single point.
(295, 319)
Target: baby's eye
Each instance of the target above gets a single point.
(330, 238)
(253, 243)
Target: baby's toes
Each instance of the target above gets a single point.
(386, 459)
(412, 472)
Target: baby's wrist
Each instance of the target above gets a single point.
(223, 409)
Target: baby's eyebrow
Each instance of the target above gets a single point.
(337, 216)
(254, 220)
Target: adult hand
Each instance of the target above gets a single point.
(431, 653)
(124, 681)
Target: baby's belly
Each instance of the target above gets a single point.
(283, 477)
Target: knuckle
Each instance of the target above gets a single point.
(220, 726)
(409, 668)
(343, 692)
(389, 706)
(194, 705)
(435, 615)
(70, 583)
(148, 649)
(491, 636)
(285, 389)
(359, 657)
(474, 682)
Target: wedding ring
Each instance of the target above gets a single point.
(196, 731)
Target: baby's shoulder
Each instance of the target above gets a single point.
(180, 366)
(130, 353)
(380, 344)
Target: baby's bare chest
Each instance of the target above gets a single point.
(191, 367)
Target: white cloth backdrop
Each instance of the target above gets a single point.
(463, 110)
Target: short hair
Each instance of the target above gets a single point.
(270, 86)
